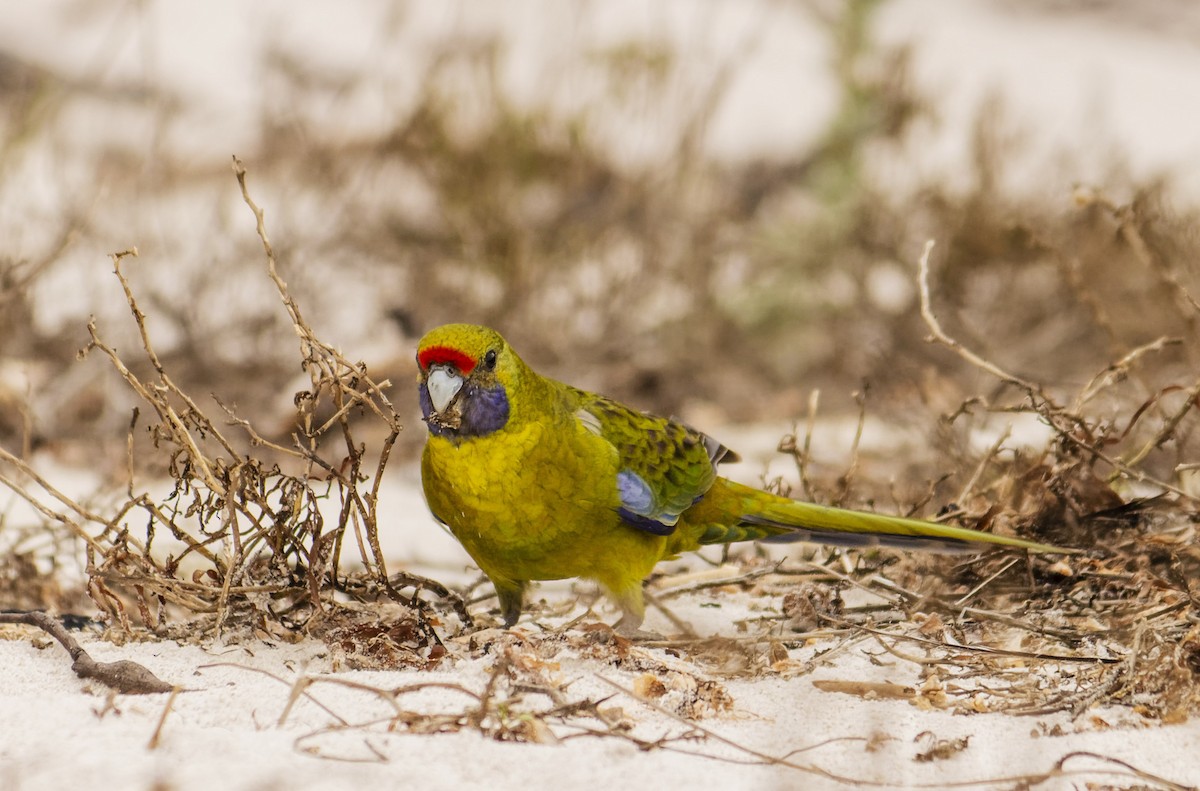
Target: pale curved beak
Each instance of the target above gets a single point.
(443, 384)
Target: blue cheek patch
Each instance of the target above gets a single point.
(483, 411)
(425, 401)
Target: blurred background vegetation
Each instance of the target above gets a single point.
(681, 281)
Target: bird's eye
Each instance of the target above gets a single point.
(489, 360)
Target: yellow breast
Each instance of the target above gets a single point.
(526, 503)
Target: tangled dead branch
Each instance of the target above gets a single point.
(252, 532)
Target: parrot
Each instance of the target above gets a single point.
(539, 480)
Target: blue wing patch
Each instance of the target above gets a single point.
(635, 493)
(645, 523)
(638, 506)
(664, 467)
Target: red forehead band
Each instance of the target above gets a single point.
(441, 355)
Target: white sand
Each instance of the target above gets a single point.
(224, 729)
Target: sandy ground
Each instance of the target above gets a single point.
(232, 725)
(225, 731)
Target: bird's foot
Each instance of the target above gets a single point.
(630, 627)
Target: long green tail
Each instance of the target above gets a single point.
(766, 517)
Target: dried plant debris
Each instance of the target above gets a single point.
(934, 749)
(526, 694)
(382, 638)
(123, 675)
(240, 542)
(811, 605)
(868, 690)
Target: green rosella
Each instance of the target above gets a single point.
(540, 481)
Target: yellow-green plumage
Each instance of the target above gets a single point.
(539, 480)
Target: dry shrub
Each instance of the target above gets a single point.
(1114, 624)
(248, 545)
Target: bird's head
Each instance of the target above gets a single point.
(467, 373)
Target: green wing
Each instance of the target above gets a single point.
(664, 466)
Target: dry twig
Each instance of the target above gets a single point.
(123, 675)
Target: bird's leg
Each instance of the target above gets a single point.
(632, 602)
(633, 612)
(512, 600)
